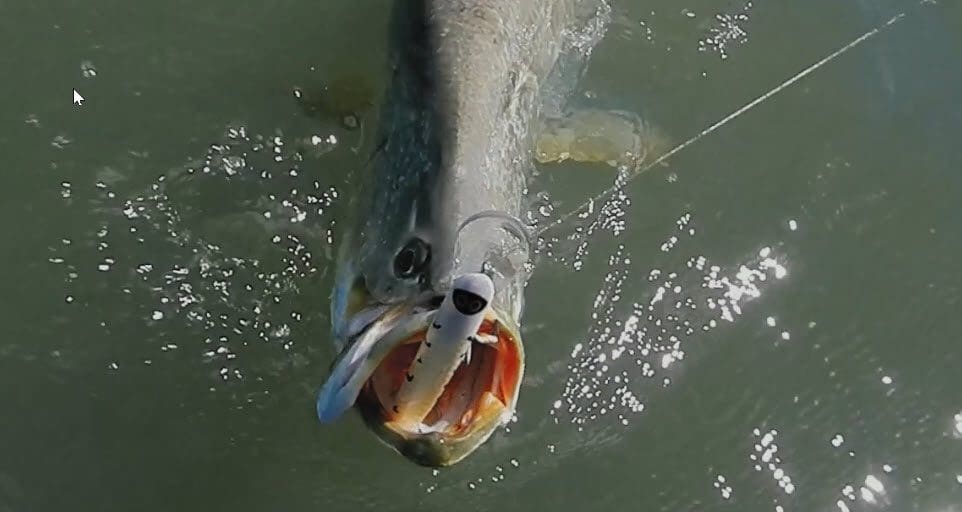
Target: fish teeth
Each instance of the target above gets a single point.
(484, 339)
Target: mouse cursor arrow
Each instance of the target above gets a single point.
(77, 98)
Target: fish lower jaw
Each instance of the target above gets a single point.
(489, 406)
(478, 398)
(438, 445)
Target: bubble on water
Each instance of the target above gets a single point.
(722, 486)
(631, 341)
(886, 379)
(873, 483)
(608, 218)
(666, 360)
(764, 456)
(873, 491)
(87, 69)
(194, 250)
(61, 141)
(837, 440)
(848, 491)
(728, 31)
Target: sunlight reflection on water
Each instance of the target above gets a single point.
(228, 270)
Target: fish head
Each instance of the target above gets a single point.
(386, 293)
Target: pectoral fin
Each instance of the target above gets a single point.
(613, 137)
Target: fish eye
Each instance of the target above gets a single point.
(412, 258)
(468, 303)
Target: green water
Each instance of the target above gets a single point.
(773, 324)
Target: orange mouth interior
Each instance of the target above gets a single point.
(489, 381)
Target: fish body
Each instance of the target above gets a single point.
(444, 201)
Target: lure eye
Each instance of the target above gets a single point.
(412, 258)
(468, 303)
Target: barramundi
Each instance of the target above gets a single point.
(472, 97)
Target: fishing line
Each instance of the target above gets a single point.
(622, 181)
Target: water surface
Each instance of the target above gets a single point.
(769, 323)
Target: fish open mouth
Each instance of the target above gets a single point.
(480, 396)
(434, 422)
